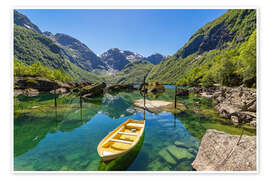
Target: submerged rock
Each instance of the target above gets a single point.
(184, 166)
(164, 154)
(179, 153)
(181, 144)
(156, 165)
(219, 152)
(158, 106)
(64, 168)
(192, 151)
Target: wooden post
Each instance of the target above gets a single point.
(80, 97)
(175, 96)
(81, 114)
(144, 115)
(240, 136)
(81, 102)
(174, 120)
(55, 103)
(144, 92)
(56, 120)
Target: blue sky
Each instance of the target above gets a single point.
(141, 31)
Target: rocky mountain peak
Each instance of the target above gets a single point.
(155, 58)
(22, 20)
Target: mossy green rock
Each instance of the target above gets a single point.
(184, 166)
(192, 151)
(64, 168)
(166, 156)
(181, 144)
(84, 164)
(167, 124)
(156, 165)
(179, 153)
(73, 156)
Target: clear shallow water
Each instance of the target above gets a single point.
(66, 137)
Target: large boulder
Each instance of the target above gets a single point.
(226, 110)
(59, 91)
(38, 83)
(153, 87)
(81, 84)
(26, 92)
(41, 84)
(65, 85)
(120, 87)
(93, 90)
(219, 151)
(158, 106)
(237, 104)
(182, 92)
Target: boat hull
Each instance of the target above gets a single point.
(123, 162)
(111, 138)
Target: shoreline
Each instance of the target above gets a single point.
(237, 104)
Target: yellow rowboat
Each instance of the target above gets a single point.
(121, 140)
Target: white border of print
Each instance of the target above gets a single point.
(263, 71)
(181, 172)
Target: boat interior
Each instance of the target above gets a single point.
(123, 138)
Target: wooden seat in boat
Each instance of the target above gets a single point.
(121, 141)
(126, 133)
(106, 153)
(135, 125)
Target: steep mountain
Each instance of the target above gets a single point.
(78, 53)
(31, 47)
(72, 49)
(131, 56)
(220, 40)
(50, 35)
(155, 58)
(22, 20)
(117, 59)
(133, 72)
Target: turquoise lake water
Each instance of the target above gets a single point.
(65, 138)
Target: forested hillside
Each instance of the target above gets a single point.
(133, 73)
(22, 20)
(78, 53)
(223, 51)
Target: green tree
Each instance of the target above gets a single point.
(248, 61)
